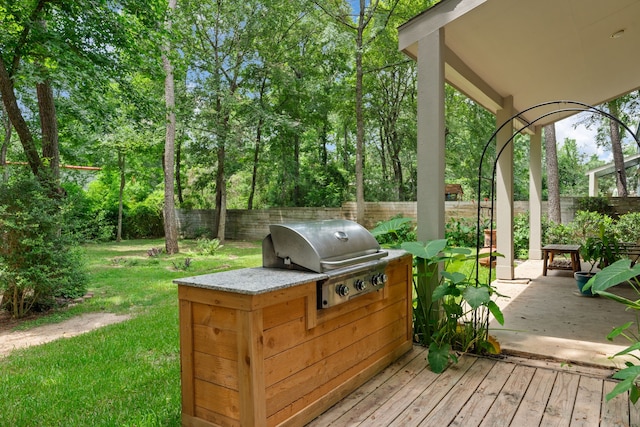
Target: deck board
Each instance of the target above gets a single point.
(432, 395)
(482, 392)
(508, 401)
(587, 405)
(531, 410)
(354, 408)
(615, 413)
(447, 409)
(475, 409)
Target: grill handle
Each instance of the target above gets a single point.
(357, 260)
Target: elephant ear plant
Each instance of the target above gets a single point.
(450, 309)
(622, 271)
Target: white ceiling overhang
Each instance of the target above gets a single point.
(536, 51)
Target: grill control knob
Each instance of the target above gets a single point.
(342, 290)
(379, 279)
(359, 284)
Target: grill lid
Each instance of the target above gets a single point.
(319, 245)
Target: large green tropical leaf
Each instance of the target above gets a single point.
(438, 356)
(392, 226)
(476, 296)
(497, 313)
(428, 250)
(455, 277)
(619, 272)
(631, 304)
(628, 376)
(443, 290)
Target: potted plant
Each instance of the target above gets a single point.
(600, 250)
(590, 253)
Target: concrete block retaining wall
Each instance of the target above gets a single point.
(253, 224)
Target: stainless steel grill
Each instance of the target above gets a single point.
(344, 250)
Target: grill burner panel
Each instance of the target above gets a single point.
(342, 249)
(362, 280)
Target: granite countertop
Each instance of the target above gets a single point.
(258, 280)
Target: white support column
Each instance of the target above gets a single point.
(504, 193)
(535, 194)
(593, 184)
(431, 127)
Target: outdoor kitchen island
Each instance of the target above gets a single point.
(256, 349)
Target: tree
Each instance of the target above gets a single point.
(390, 80)
(364, 15)
(608, 132)
(220, 47)
(169, 212)
(60, 46)
(553, 181)
(468, 128)
(616, 148)
(6, 141)
(571, 167)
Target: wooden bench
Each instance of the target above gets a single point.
(626, 250)
(548, 252)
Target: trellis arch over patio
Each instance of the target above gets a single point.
(508, 55)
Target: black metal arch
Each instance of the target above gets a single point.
(563, 106)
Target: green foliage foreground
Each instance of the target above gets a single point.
(38, 257)
(451, 308)
(622, 272)
(126, 374)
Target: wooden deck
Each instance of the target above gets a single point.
(483, 392)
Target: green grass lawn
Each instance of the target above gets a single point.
(127, 374)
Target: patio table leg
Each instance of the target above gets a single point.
(575, 261)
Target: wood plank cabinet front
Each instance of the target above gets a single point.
(273, 358)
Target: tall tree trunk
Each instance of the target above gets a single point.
(345, 153)
(323, 139)
(121, 166)
(296, 170)
(18, 122)
(360, 117)
(6, 125)
(397, 165)
(169, 210)
(178, 171)
(553, 181)
(49, 127)
(383, 153)
(256, 158)
(256, 150)
(221, 194)
(616, 150)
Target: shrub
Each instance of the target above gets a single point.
(461, 232)
(557, 233)
(521, 235)
(593, 204)
(207, 246)
(83, 221)
(144, 220)
(587, 224)
(38, 259)
(627, 228)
